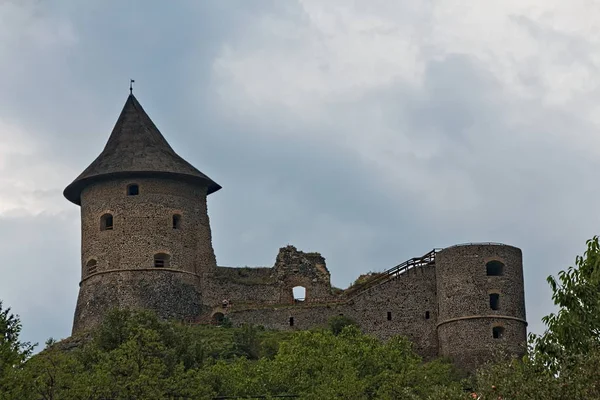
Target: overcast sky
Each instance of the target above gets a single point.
(371, 131)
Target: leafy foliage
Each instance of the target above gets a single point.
(338, 323)
(575, 329)
(133, 355)
(13, 352)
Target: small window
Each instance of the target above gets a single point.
(494, 301)
(162, 260)
(91, 266)
(497, 332)
(218, 318)
(426, 314)
(291, 321)
(494, 268)
(106, 222)
(389, 316)
(299, 293)
(133, 189)
(176, 221)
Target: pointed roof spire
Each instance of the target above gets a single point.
(136, 148)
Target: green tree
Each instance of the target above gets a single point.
(339, 322)
(575, 329)
(13, 352)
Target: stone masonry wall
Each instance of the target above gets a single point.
(172, 294)
(268, 286)
(407, 298)
(410, 299)
(241, 285)
(466, 320)
(143, 227)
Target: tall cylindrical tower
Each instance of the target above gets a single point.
(146, 238)
(481, 301)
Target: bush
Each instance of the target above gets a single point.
(337, 324)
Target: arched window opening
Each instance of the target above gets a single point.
(106, 222)
(497, 332)
(299, 293)
(91, 266)
(426, 314)
(162, 260)
(291, 321)
(176, 221)
(218, 318)
(494, 268)
(494, 301)
(389, 316)
(133, 189)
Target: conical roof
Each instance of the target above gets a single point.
(136, 148)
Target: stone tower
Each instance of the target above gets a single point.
(145, 232)
(481, 302)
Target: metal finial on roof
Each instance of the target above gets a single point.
(131, 86)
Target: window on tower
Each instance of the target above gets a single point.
(106, 222)
(162, 260)
(494, 301)
(133, 189)
(494, 268)
(497, 332)
(91, 266)
(176, 221)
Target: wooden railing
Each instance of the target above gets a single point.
(382, 277)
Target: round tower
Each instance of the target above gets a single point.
(145, 232)
(481, 300)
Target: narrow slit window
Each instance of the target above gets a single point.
(133, 189)
(389, 316)
(426, 314)
(497, 332)
(291, 321)
(106, 222)
(494, 301)
(91, 267)
(162, 260)
(176, 221)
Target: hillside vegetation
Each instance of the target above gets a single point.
(133, 355)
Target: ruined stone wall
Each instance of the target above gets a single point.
(410, 299)
(304, 316)
(241, 285)
(466, 320)
(297, 268)
(143, 227)
(271, 285)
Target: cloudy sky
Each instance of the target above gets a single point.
(371, 131)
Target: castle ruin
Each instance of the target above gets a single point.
(146, 244)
